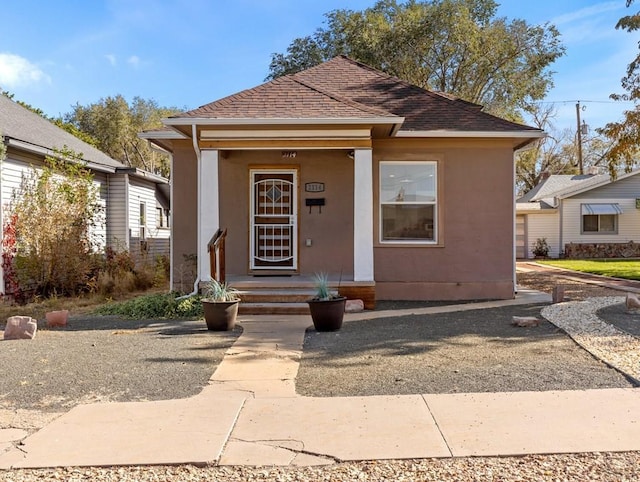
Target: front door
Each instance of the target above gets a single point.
(274, 219)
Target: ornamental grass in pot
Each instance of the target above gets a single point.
(220, 304)
(327, 308)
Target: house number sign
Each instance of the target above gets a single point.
(314, 187)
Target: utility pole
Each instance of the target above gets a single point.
(579, 134)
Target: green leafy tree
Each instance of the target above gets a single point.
(454, 46)
(51, 220)
(625, 134)
(115, 124)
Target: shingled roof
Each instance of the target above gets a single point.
(344, 88)
(19, 123)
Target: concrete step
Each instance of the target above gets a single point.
(276, 295)
(273, 308)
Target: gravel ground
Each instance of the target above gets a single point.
(107, 359)
(567, 467)
(466, 351)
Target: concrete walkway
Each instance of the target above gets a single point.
(250, 414)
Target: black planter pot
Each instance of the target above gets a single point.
(220, 315)
(327, 315)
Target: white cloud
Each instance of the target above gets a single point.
(16, 71)
(134, 60)
(587, 12)
(112, 59)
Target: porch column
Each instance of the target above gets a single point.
(363, 215)
(208, 207)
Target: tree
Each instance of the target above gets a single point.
(48, 237)
(625, 134)
(115, 125)
(453, 46)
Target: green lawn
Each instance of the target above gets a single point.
(618, 268)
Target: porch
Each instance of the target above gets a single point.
(266, 295)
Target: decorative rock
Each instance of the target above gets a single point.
(20, 328)
(525, 321)
(557, 294)
(632, 302)
(57, 318)
(354, 306)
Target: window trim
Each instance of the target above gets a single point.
(436, 217)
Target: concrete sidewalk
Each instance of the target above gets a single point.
(250, 415)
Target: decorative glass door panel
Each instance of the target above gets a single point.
(274, 243)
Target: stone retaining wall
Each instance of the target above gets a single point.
(602, 250)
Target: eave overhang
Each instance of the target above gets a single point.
(44, 151)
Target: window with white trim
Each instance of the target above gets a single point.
(408, 202)
(600, 218)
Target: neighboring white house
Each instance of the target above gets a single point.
(585, 216)
(136, 203)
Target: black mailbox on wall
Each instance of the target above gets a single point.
(319, 201)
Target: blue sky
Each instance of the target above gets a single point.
(186, 53)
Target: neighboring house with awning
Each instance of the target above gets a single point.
(586, 216)
(136, 203)
(395, 191)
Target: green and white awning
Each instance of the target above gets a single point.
(599, 209)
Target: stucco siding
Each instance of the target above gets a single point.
(544, 226)
(473, 257)
(628, 221)
(184, 222)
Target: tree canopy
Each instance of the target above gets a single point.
(625, 134)
(455, 46)
(115, 124)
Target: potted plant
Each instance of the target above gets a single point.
(220, 303)
(327, 309)
(541, 248)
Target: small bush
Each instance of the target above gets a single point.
(155, 306)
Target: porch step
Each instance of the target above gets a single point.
(281, 301)
(263, 295)
(273, 308)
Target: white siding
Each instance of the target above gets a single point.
(14, 170)
(118, 238)
(521, 238)
(628, 222)
(100, 232)
(141, 191)
(12, 173)
(544, 226)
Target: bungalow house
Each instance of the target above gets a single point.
(135, 202)
(581, 216)
(395, 191)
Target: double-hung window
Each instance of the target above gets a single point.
(408, 202)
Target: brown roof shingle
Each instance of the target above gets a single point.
(343, 88)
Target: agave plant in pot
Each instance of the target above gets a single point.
(220, 303)
(327, 308)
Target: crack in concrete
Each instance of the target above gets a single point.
(282, 444)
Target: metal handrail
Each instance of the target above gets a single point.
(216, 250)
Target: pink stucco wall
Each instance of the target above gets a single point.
(472, 260)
